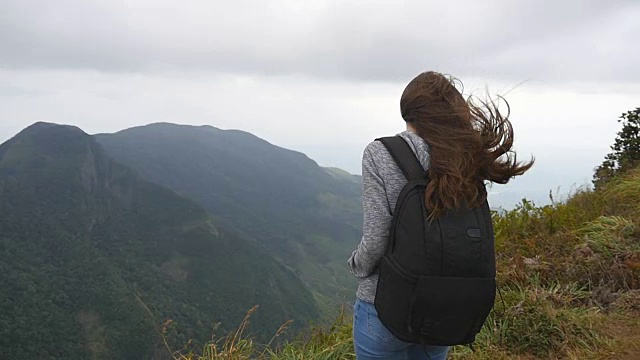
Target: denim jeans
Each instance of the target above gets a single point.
(373, 341)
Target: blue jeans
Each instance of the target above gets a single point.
(373, 341)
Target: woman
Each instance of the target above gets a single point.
(461, 145)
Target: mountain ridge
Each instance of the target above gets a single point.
(95, 257)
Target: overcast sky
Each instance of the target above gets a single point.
(325, 77)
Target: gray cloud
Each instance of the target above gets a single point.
(550, 41)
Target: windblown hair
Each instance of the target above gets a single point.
(469, 142)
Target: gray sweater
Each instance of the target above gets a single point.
(382, 182)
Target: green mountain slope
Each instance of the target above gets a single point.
(94, 259)
(306, 216)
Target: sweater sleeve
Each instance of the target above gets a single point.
(377, 218)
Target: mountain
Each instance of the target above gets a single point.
(94, 258)
(306, 216)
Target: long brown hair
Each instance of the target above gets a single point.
(469, 142)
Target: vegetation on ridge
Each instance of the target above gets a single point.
(626, 149)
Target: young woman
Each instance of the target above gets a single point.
(461, 145)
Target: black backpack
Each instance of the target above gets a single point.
(437, 278)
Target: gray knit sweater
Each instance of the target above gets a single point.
(382, 182)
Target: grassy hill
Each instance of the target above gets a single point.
(569, 276)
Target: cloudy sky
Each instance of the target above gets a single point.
(325, 77)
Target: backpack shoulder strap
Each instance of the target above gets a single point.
(404, 157)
